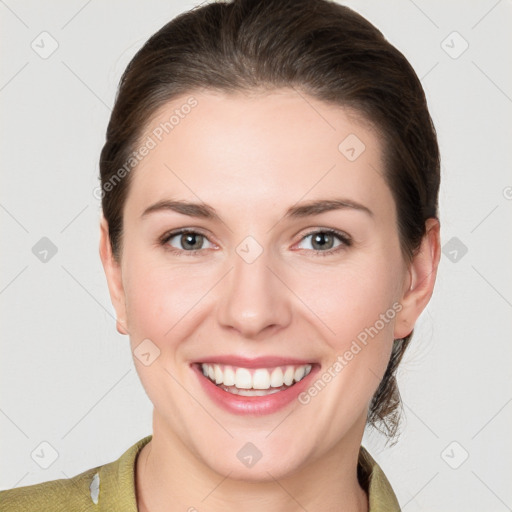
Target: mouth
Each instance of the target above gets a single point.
(254, 381)
(255, 387)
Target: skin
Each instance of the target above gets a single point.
(251, 157)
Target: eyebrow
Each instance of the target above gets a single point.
(205, 211)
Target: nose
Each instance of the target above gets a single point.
(254, 301)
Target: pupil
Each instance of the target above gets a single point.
(191, 241)
(320, 239)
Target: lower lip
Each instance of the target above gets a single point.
(255, 405)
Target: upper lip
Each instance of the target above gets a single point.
(254, 362)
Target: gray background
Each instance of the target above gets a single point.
(67, 377)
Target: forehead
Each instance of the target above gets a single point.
(240, 151)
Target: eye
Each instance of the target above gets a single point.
(188, 241)
(185, 240)
(326, 240)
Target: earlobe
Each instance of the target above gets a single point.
(113, 274)
(421, 280)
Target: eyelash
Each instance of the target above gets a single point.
(345, 240)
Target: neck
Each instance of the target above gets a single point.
(170, 478)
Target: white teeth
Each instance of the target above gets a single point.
(243, 379)
(218, 374)
(276, 379)
(256, 392)
(229, 376)
(299, 373)
(261, 379)
(250, 392)
(289, 374)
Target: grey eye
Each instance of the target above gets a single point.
(188, 241)
(322, 241)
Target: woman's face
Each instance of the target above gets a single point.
(292, 267)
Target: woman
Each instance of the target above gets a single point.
(269, 236)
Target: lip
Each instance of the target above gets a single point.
(253, 405)
(255, 362)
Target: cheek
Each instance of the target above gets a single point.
(158, 297)
(359, 305)
(147, 302)
(166, 304)
(359, 309)
(352, 298)
(161, 306)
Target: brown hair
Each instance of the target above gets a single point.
(319, 47)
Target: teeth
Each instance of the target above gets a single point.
(299, 373)
(229, 376)
(218, 374)
(252, 392)
(243, 378)
(261, 379)
(245, 381)
(288, 375)
(276, 379)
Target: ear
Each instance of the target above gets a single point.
(419, 285)
(113, 273)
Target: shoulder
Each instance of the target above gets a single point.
(381, 496)
(103, 488)
(56, 495)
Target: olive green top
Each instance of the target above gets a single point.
(111, 488)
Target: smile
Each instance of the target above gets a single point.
(256, 387)
(254, 381)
